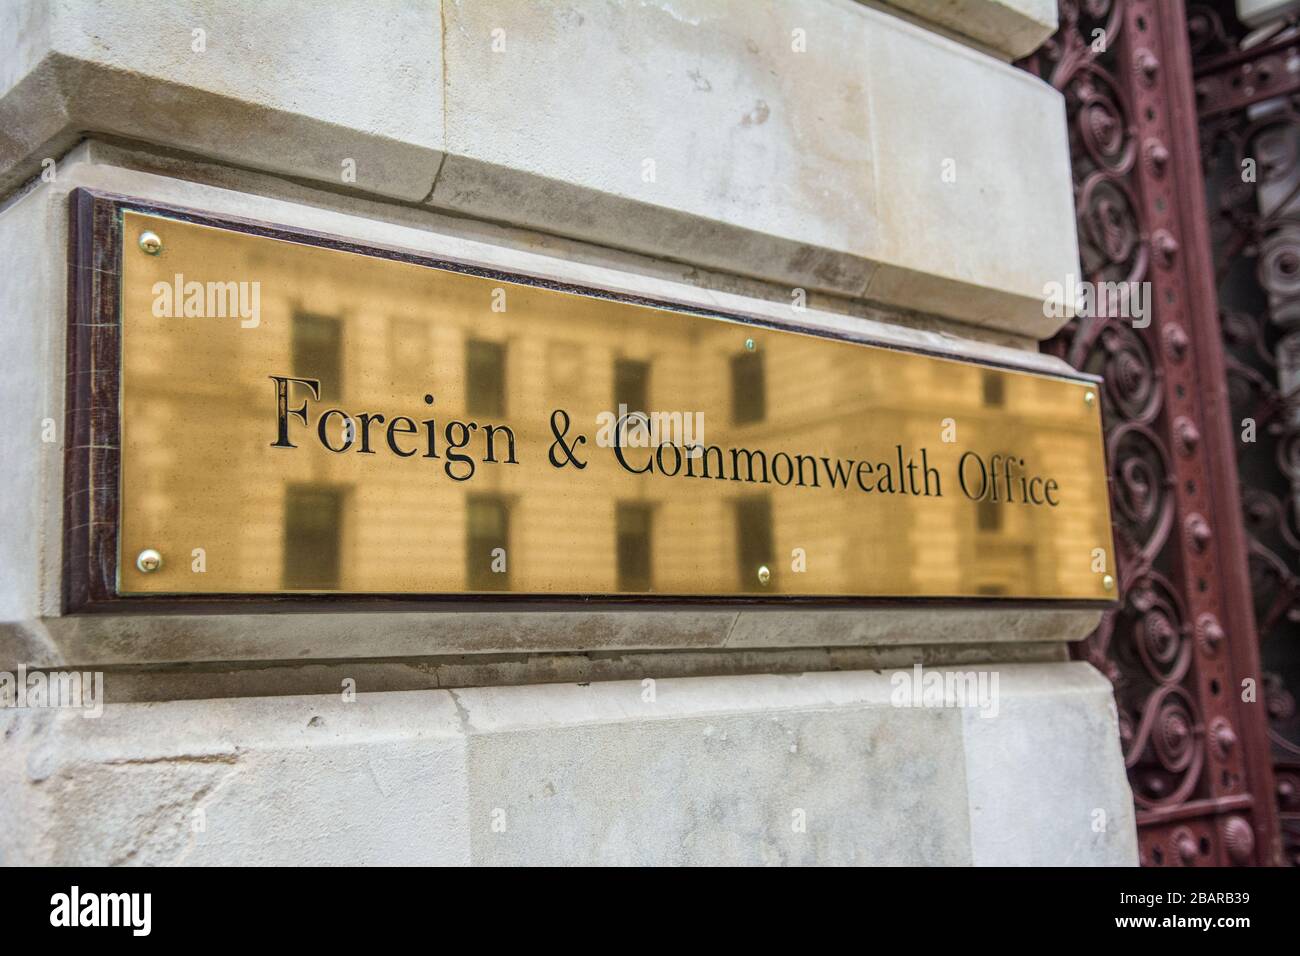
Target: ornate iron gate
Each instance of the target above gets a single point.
(1182, 642)
(1248, 96)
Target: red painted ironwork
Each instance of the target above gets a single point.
(1232, 82)
(1250, 134)
(1182, 640)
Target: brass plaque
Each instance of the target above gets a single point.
(298, 418)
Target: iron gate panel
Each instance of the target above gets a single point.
(1182, 640)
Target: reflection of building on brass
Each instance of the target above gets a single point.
(313, 531)
(487, 543)
(318, 349)
(994, 391)
(485, 378)
(754, 548)
(631, 384)
(989, 515)
(383, 429)
(748, 388)
(634, 523)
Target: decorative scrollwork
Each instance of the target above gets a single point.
(1167, 750)
(1182, 749)
(1111, 245)
(1146, 647)
(1252, 158)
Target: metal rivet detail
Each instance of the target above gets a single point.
(1199, 532)
(150, 242)
(1210, 632)
(1188, 434)
(149, 561)
(764, 574)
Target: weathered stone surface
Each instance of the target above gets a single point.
(732, 773)
(821, 145)
(876, 164)
(105, 640)
(813, 768)
(1013, 28)
(244, 782)
(1057, 738)
(271, 88)
(33, 342)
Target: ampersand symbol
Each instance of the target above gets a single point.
(559, 431)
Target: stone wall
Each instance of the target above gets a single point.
(883, 158)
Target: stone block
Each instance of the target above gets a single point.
(814, 768)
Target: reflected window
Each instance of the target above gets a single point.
(754, 540)
(994, 388)
(631, 385)
(318, 351)
(748, 388)
(988, 515)
(485, 378)
(488, 528)
(313, 524)
(632, 521)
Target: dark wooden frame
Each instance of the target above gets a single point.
(92, 449)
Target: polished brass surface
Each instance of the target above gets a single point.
(291, 416)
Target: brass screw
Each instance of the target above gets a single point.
(1108, 583)
(749, 345)
(150, 243)
(764, 575)
(149, 561)
(1090, 397)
